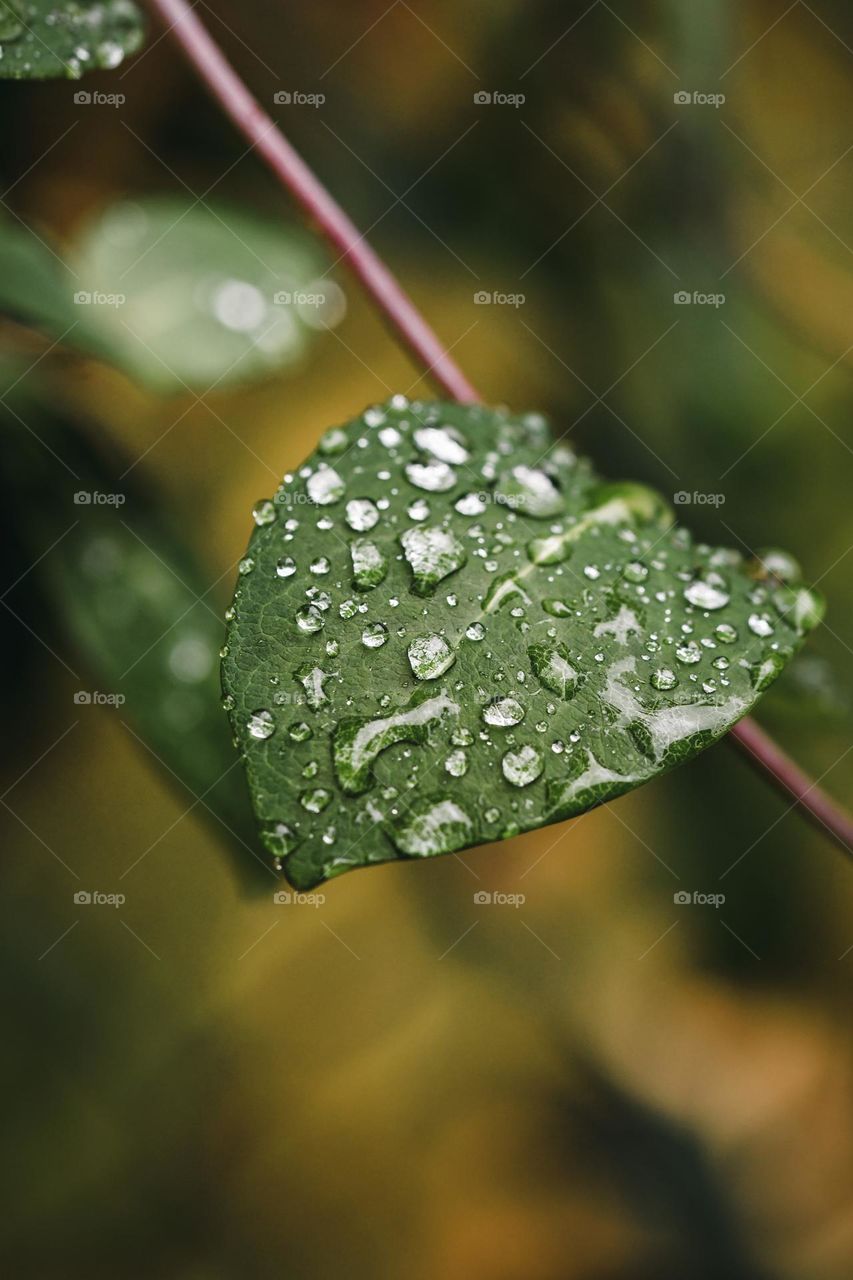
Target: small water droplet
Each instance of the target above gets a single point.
(435, 477)
(261, 725)
(663, 678)
(263, 512)
(374, 635)
(361, 515)
(476, 631)
(760, 624)
(309, 618)
(325, 486)
(456, 764)
(286, 567)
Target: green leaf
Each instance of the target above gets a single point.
(50, 39)
(188, 295)
(536, 643)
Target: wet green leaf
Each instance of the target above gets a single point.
(538, 642)
(187, 295)
(50, 39)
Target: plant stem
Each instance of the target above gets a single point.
(289, 167)
(409, 325)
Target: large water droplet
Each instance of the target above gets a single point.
(663, 678)
(530, 491)
(374, 635)
(309, 618)
(456, 764)
(503, 713)
(435, 477)
(442, 443)
(707, 593)
(325, 486)
(760, 624)
(361, 514)
(522, 767)
(430, 656)
(433, 554)
(369, 563)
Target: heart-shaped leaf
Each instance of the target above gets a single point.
(447, 630)
(51, 39)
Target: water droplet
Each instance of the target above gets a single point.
(503, 713)
(358, 742)
(470, 504)
(433, 554)
(476, 631)
(435, 477)
(663, 678)
(263, 512)
(261, 725)
(245, 566)
(522, 767)
(325, 486)
(726, 633)
(635, 571)
(552, 667)
(309, 618)
(688, 653)
(531, 491)
(440, 826)
(374, 635)
(315, 799)
(369, 564)
(300, 731)
(760, 624)
(390, 437)
(320, 566)
(557, 608)
(442, 443)
(456, 764)
(361, 515)
(279, 839)
(286, 567)
(707, 593)
(430, 656)
(334, 441)
(418, 510)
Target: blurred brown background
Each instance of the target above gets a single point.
(599, 1083)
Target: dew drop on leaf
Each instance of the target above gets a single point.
(285, 567)
(263, 512)
(261, 725)
(325, 486)
(361, 515)
(522, 767)
(503, 712)
(435, 477)
(430, 656)
(374, 636)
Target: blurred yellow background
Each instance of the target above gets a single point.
(599, 1083)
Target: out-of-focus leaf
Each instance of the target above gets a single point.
(448, 630)
(36, 287)
(137, 609)
(62, 39)
(199, 295)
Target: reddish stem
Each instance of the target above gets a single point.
(410, 326)
(289, 167)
